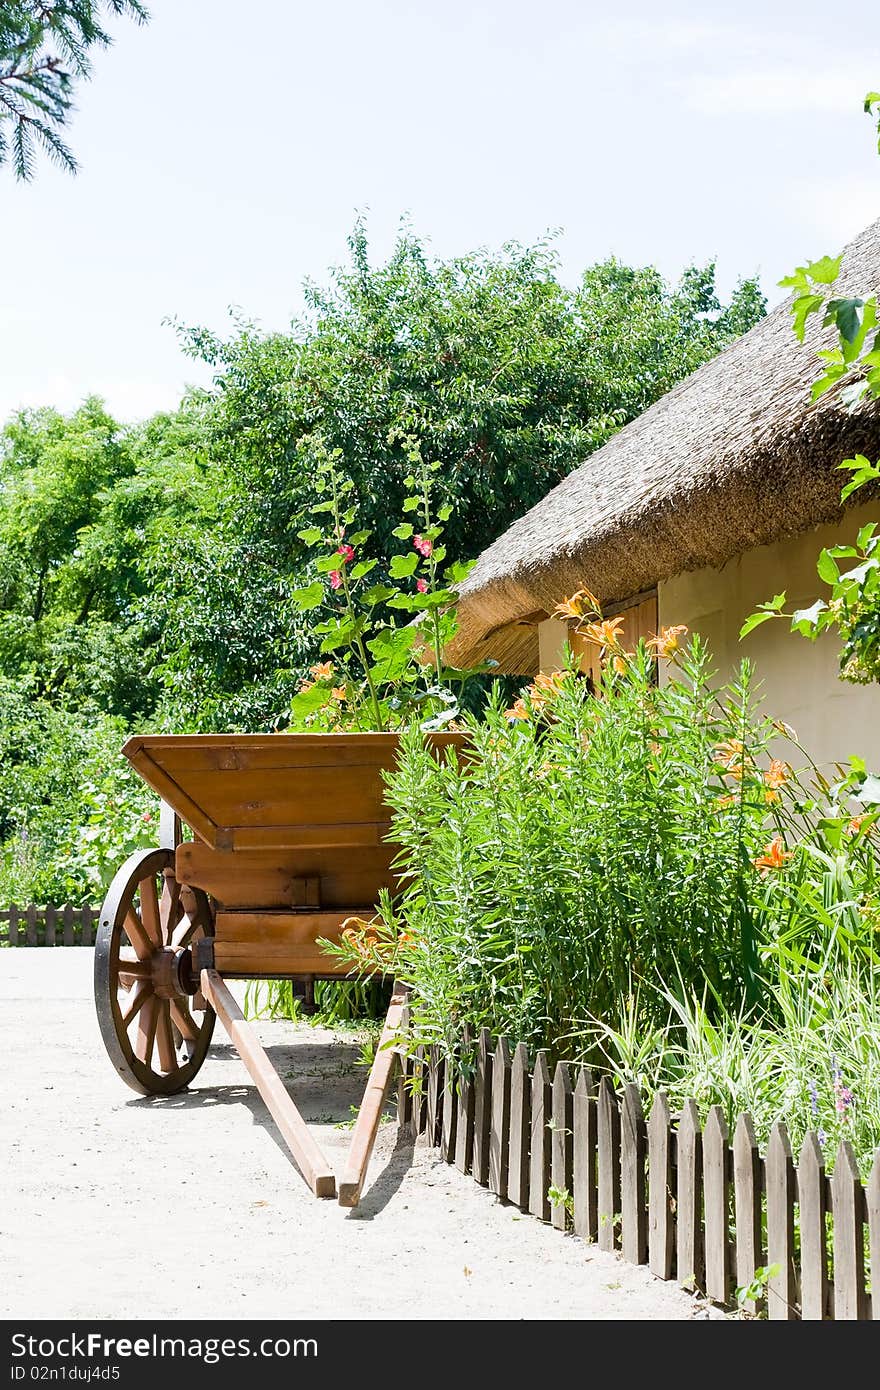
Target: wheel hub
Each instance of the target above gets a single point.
(172, 972)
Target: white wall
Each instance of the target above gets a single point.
(800, 679)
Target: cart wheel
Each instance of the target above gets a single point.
(154, 1021)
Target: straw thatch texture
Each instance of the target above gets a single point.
(736, 456)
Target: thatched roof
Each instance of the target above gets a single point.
(735, 456)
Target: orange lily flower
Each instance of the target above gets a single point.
(518, 710)
(666, 642)
(338, 694)
(323, 671)
(774, 856)
(777, 774)
(579, 603)
(603, 634)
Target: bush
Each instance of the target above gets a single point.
(581, 845)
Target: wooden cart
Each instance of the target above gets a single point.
(290, 839)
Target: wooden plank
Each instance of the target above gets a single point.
(404, 1088)
(747, 1203)
(420, 1092)
(240, 960)
(689, 1199)
(282, 928)
(608, 1153)
(266, 878)
(299, 1139)
(584, 1189)
(67, 935)
(811, 1189)
(633, 1178)
(51, 921)
(449, 1110)
(561, 1142)
(716, 1201)
(434, 1112)
(369, 1116)
(781, 1192)
(539, 1157)
(280, 837)
(520, 1128)
(30, 930)
(872, 1201)
(482, 1107)
(464, 1140)
(87, 933)
(499, 1129)
(661, 1223)
(848, 1206)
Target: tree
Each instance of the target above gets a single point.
(45, 47)
(505, 376)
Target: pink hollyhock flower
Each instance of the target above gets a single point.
(335, 579)
(422, 586)
(346, 552)
(423, 545)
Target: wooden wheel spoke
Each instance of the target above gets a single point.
(184, 931)
(184, 1021)
(150, 910)
(136, 1001)
(130, 968)
(148, 1020)
(137, 935)
(169, 905)
(165, 1039)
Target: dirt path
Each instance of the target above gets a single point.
(118, 1206)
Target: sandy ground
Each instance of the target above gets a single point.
(118, 1206)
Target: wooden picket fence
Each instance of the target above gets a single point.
(666, 1191)
(48, 925)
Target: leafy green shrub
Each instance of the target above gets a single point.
(580, 845)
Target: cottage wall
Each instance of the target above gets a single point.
(800, 679)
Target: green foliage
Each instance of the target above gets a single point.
(70, 808)
(570, 852)
(44, 50)
(507, 378)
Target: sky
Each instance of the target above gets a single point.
(226, 150)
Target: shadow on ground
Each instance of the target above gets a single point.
(326, 1083)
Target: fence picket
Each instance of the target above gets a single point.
(689, 1198)
(811, 1187)
(872, 1201)
(633, 1181)
(561, 1136)
(13, 926)
(482, 1107)
(584, 1189)
(608, 1143)
(434, 1114)
(67, 932)
(88, 926)
(520, 1128)
(420, 1093)
(464, 1141)
(781, 1286)
(499, 1130)
(51, 919)
(661, 1223)
(539, 1161)
(747, 1203)
(716, 1201)
(449, 1110)
(404, 1088)
(30, 931)
(848, 1205)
